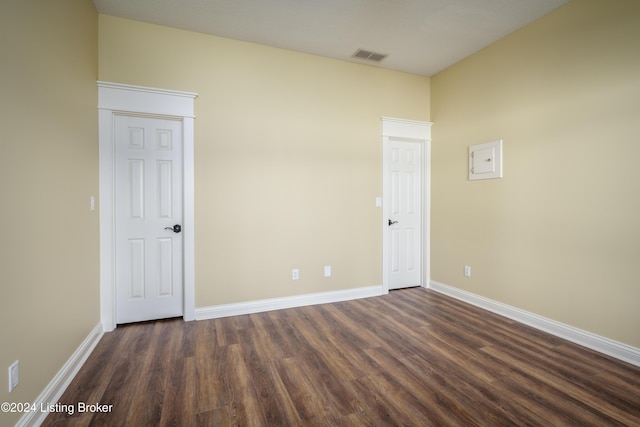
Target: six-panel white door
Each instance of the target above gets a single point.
(148, 203)
(405, 214)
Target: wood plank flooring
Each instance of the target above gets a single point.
(413, 357)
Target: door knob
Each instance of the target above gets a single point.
(176, 228)
(392, 222)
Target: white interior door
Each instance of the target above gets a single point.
(404, 221)
(148, 204)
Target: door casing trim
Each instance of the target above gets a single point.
(414, 131)
(121, 99)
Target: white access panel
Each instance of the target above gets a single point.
(485, 160)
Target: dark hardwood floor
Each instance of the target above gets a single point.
(413, 357)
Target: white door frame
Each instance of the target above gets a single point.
(120, 99)
(414, 131)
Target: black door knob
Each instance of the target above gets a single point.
(176, 228)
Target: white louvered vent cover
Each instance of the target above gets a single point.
(368, 55)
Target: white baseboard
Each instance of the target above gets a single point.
(225, 310)
(53, 391)
(595, 342)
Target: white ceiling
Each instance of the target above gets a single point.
(419, 36)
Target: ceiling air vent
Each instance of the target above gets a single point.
(368, 55)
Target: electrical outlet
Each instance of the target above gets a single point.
(467, 271)
(327, 271)
(14, 378)
(295, 274)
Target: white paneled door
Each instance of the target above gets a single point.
(148, 218)
(404, 220)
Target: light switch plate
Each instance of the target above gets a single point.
(485, 160)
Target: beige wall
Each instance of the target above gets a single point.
(287, 156)
(49, 273)
(559, 235)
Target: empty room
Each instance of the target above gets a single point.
(358, 212)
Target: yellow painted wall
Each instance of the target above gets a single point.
(49, 259)
(287, 156)
(559, 235)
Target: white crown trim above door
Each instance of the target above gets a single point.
(118, 99)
